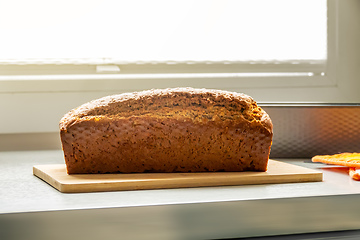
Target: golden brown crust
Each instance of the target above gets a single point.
(342, 159)
(169, 130)
(120, 105)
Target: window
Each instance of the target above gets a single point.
(157, 36)
(58, 55)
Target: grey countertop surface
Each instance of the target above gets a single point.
(205, 213)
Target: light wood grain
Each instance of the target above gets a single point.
(278, 172)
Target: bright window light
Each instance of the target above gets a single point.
(160, 30)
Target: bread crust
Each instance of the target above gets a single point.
(168, 130)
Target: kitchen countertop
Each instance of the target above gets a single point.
(29, 204)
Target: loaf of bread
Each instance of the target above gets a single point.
(167, 130)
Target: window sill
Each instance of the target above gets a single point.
(135, 82)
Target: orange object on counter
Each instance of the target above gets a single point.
(342, 159)
(354, 173)
(351, 160)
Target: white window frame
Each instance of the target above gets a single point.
(43, 89)
(233, 75)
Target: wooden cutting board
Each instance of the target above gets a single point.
(278, 172)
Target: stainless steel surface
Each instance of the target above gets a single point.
(305, 130)
(31, 209)
(213, 220)
(337, 235)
